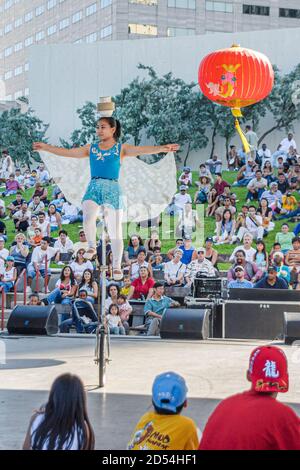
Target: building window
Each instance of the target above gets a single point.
(39, 36)
(78, 41)
(8, 75)
(180, 32)
(51, 30)
(8, 51)
(28, 41)
(8, 98)
(147, 29)
(106, 32)
(8, 4)
(18, 46)
(91, 38)
(39, 10)
(51, 4)
(219, 6)
(64, 23)
(256, 10)
(289, 13)
(26, 67)
(144, 2)
(28, 17)
(18, 71)
(8, 28)
(26, 92)
(105, 3)
(18, 22)
(189, 4)
(77, 17)
(91, 10)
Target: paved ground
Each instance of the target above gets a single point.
(213, 370)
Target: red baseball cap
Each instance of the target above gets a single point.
(268, 370)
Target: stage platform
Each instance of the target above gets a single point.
(213, 370)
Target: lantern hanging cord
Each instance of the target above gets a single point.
(237, 113)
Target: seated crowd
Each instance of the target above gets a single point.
(270, 195)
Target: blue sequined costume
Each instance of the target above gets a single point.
(104, 187)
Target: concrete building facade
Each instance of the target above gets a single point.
(25, 23)
(64, 77)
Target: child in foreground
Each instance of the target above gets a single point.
(165, 428)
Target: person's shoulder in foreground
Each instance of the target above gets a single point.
(255, 420)
(165, 428)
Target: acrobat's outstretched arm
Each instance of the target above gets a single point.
(132, 151)
(80, 152)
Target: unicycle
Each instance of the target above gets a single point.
(102, 350)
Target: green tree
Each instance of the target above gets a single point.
(175, 112)
(86, 134)
(281, 103)
(131, 109)
(18, 132)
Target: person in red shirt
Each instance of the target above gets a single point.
(142, 287)
(220, 184)
(255, 420)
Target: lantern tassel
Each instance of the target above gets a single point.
(242, 136)
(237, 113)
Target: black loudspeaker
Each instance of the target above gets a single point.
(28, 320)
(256, 320)
(185, 323)
(291, 327)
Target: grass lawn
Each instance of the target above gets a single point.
(167, 236)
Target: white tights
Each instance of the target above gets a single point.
(113, 222)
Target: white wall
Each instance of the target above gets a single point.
(63, 77)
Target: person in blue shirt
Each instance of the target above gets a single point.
(104, 189)
(240, 282)
(155, 308)
(271, 281)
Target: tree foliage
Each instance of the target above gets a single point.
(18, 132)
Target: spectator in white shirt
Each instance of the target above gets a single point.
(201, 264)
(286, 143)
(64, 246)
(252, 139)
(254, 225)
(214, 164)
(36, 205)
(19, 177)
(175, 270)
(41, 256)
(256, 186)
(140, 262)
(70, 214)
(80, 265)
(181, 199)
(246, 247)
(264, 154)
(2, 209)
(186, 177)
(3, 251)
(44, 224)
(22, 217)
(43, 174)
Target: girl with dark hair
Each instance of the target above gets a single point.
(54, 218)
(62, 424)
(113, 291)
(225, 229)
(104, 189)
(261, 257)
(65, 288)
(114, 320)
(90, 286)
(80, 264)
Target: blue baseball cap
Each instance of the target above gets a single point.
(169, 391)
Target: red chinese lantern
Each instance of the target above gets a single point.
(236, 77)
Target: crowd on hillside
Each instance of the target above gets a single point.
(272, 183)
